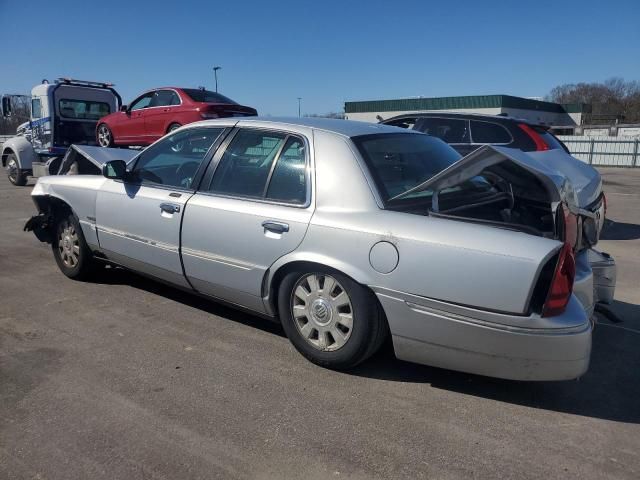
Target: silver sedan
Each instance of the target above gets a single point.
(347, 232)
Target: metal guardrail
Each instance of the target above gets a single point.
(604, 151)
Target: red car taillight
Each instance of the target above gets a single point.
(535, 136)
(561, 284)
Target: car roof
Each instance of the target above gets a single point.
(463, 115)
(346, 128)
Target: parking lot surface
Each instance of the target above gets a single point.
(124, 378)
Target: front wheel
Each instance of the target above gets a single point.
(72, 254)
(329, 318)
(105, 137)
(15, 175)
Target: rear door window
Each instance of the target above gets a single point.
(265, 165)
(489, 133)
(451, 130)
(246, 165)
(288, 181)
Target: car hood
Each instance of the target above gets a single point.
(97, 156)
(557, 184)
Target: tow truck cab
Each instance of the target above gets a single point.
(63, 113)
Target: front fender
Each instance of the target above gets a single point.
(78, 193)
(22, 149)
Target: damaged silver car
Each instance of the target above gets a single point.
(347, 233)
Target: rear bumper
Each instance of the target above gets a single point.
(498, 345)
(604, 275)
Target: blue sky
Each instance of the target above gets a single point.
(326, 52)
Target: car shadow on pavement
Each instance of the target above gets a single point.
(620, 231)
(610, 390)
(119, 276)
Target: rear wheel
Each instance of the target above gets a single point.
(16, 176)
(105, 137)
(72, 254)
(176, 147)
(330, 319)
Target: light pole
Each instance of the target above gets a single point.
(215, 74)
(299, 98)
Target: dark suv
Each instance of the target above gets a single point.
(465, 132)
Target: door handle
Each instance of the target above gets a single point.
(275, 227)
(170, 207)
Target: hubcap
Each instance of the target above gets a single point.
(68, 246)
(104, 136)
(12, 170)
(322, 312)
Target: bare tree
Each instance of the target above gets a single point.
(614, 99)
(19, 114)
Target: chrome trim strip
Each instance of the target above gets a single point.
(135, 238)
(218, 259)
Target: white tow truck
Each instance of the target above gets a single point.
(63, 113)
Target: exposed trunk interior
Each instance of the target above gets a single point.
(503, 195)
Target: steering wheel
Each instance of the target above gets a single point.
(185, 173)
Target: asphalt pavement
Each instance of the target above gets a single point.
(125, 378)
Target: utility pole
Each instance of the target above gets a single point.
(215, 74)
(299, 98)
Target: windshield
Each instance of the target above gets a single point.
(400, 161)
(207, 96)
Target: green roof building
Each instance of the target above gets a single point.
(537, 111)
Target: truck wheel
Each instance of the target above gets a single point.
(72, 254)
(105, 137)
(16, 176)
(330, 319)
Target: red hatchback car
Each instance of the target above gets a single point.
(157, 112)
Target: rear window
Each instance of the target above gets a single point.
(207, 96)
(489, 133)
(548, 138)
(402, 122)
(399, 162)
(83, 109)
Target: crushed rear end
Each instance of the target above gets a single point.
(551, 339)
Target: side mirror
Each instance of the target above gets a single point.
(6, 106)
(115, 169)
(123, 108)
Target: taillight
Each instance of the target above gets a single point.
(561, 284)
(535, 136)
(570, 227)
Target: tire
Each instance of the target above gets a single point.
(16, 176)
(72, 254)
(173, 126)
(104, 136)
(315, 317)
